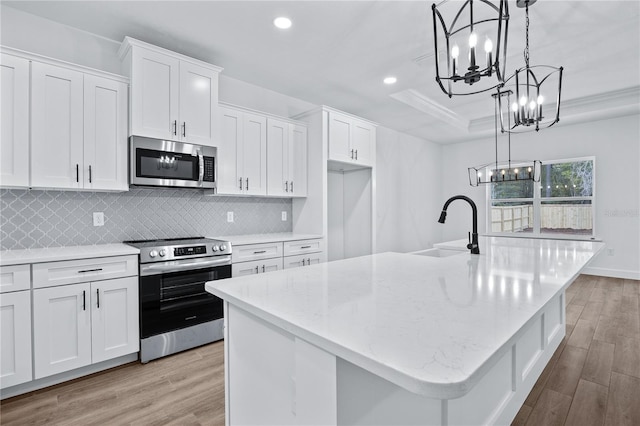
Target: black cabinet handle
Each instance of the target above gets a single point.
(259, 252)
(305, 247)
(262, 268)
(84, 300)
(175, 127)
(303, 262)
(98, 297)
(90, 270)
(77, 172)
(291, 186)
(247, 184)
(257, 271)
(89, 173)
(286, 186)
(356, 154)
(184, 129)
(240, 184)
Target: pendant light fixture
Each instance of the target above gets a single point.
(461, 29)
(532, 87)
(493, 172)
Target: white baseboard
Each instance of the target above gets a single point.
(66, 376)
(613, 273)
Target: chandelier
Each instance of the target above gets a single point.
(476, 21)
(493, 172)
(530, 107)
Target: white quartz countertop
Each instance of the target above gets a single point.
(433, 326)
(54, 254)
(266, 238)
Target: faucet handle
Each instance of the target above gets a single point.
(469, 246)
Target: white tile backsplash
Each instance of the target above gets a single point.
(34, 219)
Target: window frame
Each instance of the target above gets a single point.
(538, 200)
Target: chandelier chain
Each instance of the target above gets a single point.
(526, 49)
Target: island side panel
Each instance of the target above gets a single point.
(272, 377)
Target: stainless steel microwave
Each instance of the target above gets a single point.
(157, 162)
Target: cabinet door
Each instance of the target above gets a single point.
(256, 267)
(254, 154)
(56, 127)
(363, 142)
(114, 318)
(231, 128)
(278, 157)
(61, 328)
(340, 133)
(14, 110)
(105, 134)
(154, 94)
(198, 104)
(298, 160)
(302, 260)
(15, 338)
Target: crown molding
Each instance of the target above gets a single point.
(417, 100)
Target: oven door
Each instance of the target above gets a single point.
(172, 295)
(155, 162)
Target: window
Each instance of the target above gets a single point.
(561, 204)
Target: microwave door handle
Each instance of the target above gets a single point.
(200, 167)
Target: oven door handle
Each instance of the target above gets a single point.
(155, 269)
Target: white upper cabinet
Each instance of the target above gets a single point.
(243, 152)
(278, 157)
(64, 126)
(298, 168)
(14, 111)
(56, 127)
(351, 140)
(286, 159)
(154, 95)
(173, 97)
(105, 134)
(198, 104)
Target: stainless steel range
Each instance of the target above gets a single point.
(176, 313)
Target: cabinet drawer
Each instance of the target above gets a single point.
(292, 248)
(256, 267)
(249, 252)
(14, 278)
(77, 271)
(302, 260)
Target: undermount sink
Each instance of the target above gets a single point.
(438, 252)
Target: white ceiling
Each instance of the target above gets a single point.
(337, 52)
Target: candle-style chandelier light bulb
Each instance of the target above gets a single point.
(461, 24)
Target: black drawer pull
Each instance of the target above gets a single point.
(259, 252)
(98, 297)
(84, 300)
(90, 270)
(305, 247)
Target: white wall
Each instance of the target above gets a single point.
(409, 191)
(616, 145)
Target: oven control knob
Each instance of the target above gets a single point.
(162, 252)
(153, 253)
(215, 248)
(223, 247)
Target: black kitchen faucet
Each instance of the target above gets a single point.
(473, 242)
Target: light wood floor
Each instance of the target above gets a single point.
(592, 379)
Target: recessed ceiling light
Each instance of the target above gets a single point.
(282, 22)
(390, 80)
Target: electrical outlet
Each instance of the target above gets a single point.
(611, 252)
(284, 216)
(229, 217)
(98, 219)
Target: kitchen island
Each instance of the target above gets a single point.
(442, 338)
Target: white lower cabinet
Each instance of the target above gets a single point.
(302, 260)
(114, 318)
(15, 338)
(80, 324)
(256, 267)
